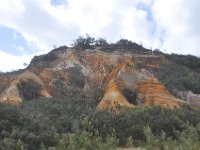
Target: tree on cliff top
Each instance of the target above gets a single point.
(84, 42)
(89, 42)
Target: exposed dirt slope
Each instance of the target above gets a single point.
(110, 72)
(13, 94)
(154, 93)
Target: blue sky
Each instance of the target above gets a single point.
(13, 42)
(58, 2)
(33, 27)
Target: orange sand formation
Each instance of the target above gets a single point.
(154, 93)
(113, 99)
(99, 68)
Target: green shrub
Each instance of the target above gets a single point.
(77, 78)
(101, 42)
(29, 89)
(84, 42)
(73, 123)
(189, 61)
(177, 77)
(130, 94)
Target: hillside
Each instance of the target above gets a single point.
(106, 72)
(99, 72)
(96, 95)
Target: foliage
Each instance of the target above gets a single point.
(130, 94)
(187, 140)
(180, 73)
(132, 122)
(101, 42)
(122, 45)
(126, 45)
(43, 59)
(73, 123)
(84, 42)
(86, 140)
(176, 76)
(124, 42)
(89, 42)
(76, 77)
(61, 48)
(189, 61)
(29, 89)
(59, 88)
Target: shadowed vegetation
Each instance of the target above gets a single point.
(73, 123)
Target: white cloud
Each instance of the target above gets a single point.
(11, 62)
(10, 10)
(175, 24)
(46, 25)
(178, 24)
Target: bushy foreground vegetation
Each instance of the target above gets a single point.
(73, 123)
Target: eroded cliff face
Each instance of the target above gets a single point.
(88, 69)
(154, 93)
(25, 86)
(113, 99)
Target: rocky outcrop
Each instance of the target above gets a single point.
(151, 92)
(14, 94)
(113, 99)
(189, 97)
(193, 99)
(151, 61)
(11, 95)
(93, 69)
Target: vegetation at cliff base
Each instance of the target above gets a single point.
(73, 123)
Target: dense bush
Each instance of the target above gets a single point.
(84, 42)
(129, 46)
(189, 61)
(43, 60)
(89, 42)
(77, 78)
(179, 77)
(180, 73)
(132, 122)
(73, 123)
(123, 45)
(42, 121)
(101, 42)
(130, 94)
(29, 89)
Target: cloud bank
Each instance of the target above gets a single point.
(171, 25)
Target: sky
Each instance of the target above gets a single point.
(34, 27)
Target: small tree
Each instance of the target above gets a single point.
(101, 42)
(84, 42)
